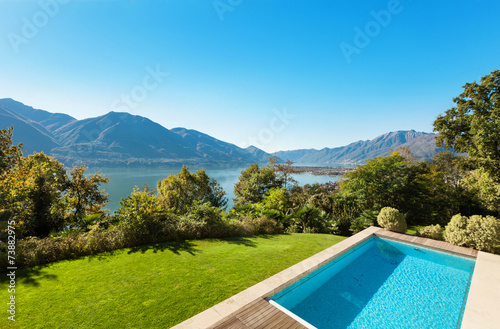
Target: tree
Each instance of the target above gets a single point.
(180, 191)
(9, 154)
(473, 125)
(36, 185)
(142, 217)
(254, 182)
(84, 196)
(484, 190)
(388, 182)
(427, 193)
(286, 170)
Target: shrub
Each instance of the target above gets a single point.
(482, 233)
(432, 232)
(456, 231)
(311, 219)
(392, 220)
(264, 225)
(366, 219)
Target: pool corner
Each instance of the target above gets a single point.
(483, 302)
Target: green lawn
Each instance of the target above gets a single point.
(412, 230)
(153, 286)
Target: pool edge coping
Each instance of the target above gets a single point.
(473, 313)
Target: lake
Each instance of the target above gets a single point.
(123, 180)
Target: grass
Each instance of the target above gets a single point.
(412, 230)
(155, 286)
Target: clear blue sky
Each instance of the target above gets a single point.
(234, 64)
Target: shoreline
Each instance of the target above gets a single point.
(323, 171)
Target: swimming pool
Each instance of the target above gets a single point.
(382, 283)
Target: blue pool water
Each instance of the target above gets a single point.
(383, 284)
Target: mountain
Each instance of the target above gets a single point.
(422, 145)
(51, 121)
(38, 138)
(123, 139)
(115, 139)
(258, 153)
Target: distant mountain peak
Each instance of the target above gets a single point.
(422, 144)
(116, 137)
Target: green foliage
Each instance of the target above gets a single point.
(84, 196)
(9, 154)
(392, 220)
(388, 181)
(276, 199)
(425, 193)
(366, 219)
(34, 251)
(178, 192)
(36, 185)
(484, 190)
(310, 219)
(203, 221)
(482, 233)
(285, 171)
(432, 232)
(344, 211)
(254, 182)
(456, 231)
(472, 126)
(142, 217)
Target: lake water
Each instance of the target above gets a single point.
(123, 180)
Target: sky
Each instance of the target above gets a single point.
(280, 75)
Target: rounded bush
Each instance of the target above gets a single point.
(392, 220)
(456, 231)
(484, 232)
(432, 232)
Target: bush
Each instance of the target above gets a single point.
(311, 219)
(432, 232)
(456, 231)
(264, 225)
(482, 233)
(392, 220)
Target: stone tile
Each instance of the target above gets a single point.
(483, 302)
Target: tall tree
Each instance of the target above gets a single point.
(180, 191)
(254, 182)
(35, 195)
(390, 181)
(9, 154)
(84, 196)
(286, 170)
(473, 125)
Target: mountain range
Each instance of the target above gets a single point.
(421, 144)
(123, 139)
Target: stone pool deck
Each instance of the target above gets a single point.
(250, 309)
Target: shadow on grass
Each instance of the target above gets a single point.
(176, 247)
(248, 241)
(29, 276)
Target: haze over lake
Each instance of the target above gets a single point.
(123, 180)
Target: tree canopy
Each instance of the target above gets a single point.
(180, 191)
(255, 181)
(472, 126)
